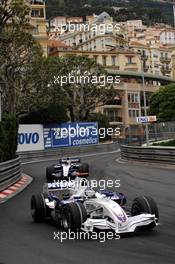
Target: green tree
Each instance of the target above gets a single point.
(14, 13)
(20, 54)
(16, 56)
(162, 103)
(8, 137)
(54, 113)
(87, 87)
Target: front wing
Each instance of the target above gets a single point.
(127, 227)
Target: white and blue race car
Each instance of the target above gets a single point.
(77, 206)
(67, 168)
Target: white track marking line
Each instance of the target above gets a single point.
(81, 156)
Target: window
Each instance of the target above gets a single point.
(129, 60)
(104, 60)
(95, 57)
(133, 113)
(37, 13)
(133, 97)
(137, 113)
(113, 60)
(102, 43)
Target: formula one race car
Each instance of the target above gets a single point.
(67, 168)
(80, 207)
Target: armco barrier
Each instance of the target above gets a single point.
(10, 172)
(55, 153)
(150, 154)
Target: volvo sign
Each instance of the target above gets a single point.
(30, 138)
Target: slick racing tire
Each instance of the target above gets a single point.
(84, 168)
(145, 204)
(38, 208)
(73, 215)
(49, 171)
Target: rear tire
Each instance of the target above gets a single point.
(145, 204)
(73, 215)
(84, 168)
(38, 208)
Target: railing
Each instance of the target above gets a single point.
(151, 154)
(10, 172)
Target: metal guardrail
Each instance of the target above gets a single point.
(151, 154)
(10, 172)
(66, 151)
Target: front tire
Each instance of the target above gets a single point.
(145, 204)
(73, 216)
(38, 208)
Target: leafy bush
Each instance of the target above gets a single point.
(170, 143)
(52, 114)
(8, 137)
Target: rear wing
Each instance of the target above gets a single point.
(73, 160)
(56, 186)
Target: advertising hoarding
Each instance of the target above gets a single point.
(30, 138)
(71, 134)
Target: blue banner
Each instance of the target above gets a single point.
(71, 134)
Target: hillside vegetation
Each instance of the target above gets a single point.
(147, 10)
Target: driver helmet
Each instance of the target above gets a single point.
(68, 161)
(90, 193)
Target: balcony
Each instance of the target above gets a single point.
(136, 87)
(37, 2)
(131, 67)
(165, 69)
(133, 105)
(116, 103)
(115, 120)
(144, 57)
(145, 68)
(165, 59)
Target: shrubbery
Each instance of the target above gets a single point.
(8, 137)
(170, 143)
(49, 115)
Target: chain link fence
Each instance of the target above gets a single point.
(136, 134)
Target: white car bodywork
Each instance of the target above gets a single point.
(103, 212)
(113, 216)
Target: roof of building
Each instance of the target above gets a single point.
(135, 43)
(163, 79)
(103, 16)
(56, 44)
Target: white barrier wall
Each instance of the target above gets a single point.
(30, 138)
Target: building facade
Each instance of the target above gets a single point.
(38, 23)
(129, 100)
(135, 54)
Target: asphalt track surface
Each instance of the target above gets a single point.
(24, 242)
